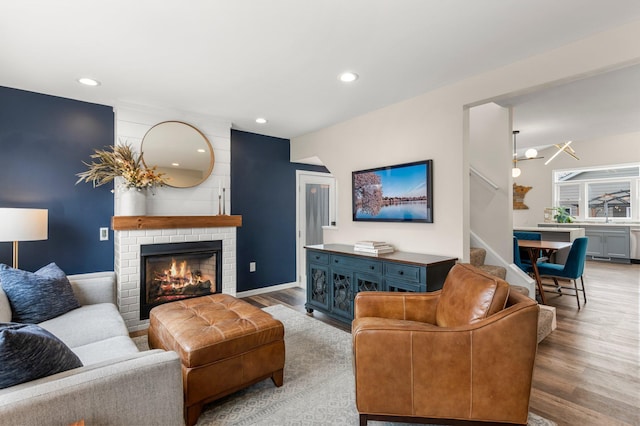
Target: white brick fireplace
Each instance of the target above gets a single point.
(132, 122)
(127, 263)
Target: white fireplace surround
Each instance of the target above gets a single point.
(132, 122)
(127, 263)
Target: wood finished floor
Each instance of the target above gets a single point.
(588, 370)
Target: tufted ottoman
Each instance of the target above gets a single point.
(225, 344)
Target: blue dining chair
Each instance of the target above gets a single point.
(572, 269)
(526, 267)
(526, 235)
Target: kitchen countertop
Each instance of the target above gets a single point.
(543, 228)
(634, 224)
(553, 233)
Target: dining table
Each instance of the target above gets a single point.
(537, 247)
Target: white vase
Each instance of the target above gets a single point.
(133, 202)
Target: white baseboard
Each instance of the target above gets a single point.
(266, 289)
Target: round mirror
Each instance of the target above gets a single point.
(180, 151)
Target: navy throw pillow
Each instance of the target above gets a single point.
(28, 352)
(37, 296)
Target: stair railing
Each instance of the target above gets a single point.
(488, 181)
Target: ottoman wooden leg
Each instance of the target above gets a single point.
(278, 378)
(192, 413)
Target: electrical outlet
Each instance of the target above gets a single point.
(104, 234)
(252, 266)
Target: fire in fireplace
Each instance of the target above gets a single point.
(174, 283)
(178, 271)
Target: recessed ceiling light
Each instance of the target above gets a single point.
(261, 120)
(88, 81)
(348, 77)
(175, 164)
(201, 150)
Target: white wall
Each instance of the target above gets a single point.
(399, 134)
(490, 209)
(435, 125)
(618, 149)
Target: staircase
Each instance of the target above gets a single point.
(477, 258)
(547, 317)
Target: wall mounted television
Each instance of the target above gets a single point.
(399, 193)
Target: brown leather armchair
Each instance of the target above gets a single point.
(462, 354)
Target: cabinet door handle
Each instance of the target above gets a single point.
(336, 260)
(317, 257)
(401, 272)
(372, 267)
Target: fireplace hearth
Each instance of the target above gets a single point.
(178, 271)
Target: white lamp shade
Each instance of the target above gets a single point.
(531, 153)
(23, 224)
(515, 172)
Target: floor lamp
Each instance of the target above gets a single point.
(23, 225)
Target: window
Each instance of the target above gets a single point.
(609, 199)
(569, 198)
(608, 193)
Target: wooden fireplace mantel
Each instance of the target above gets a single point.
(127, 223)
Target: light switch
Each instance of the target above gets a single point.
(104, 234)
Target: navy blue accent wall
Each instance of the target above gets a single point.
(263, 191)
(43, 141)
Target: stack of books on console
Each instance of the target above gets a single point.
(373, 247)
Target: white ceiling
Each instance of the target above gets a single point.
(591, 108)
(279, 59)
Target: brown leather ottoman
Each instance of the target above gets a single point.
(225, 344)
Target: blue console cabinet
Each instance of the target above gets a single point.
(336, 273)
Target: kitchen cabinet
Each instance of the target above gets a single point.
(608, 242)
(611, 243)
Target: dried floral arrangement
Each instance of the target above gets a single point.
(120, 161)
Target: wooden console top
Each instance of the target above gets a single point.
(396, 256)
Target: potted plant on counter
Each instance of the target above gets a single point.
(562, 215)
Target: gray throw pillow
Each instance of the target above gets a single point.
(37, 296)
(28, 352)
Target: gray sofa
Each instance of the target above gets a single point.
(117, 384)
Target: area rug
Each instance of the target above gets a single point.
(318, 385)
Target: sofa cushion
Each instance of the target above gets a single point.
(94, 287)
(5, 307)
(87, 324)
(37, 296)
(105, 350)
(28, 352)
(470, 295)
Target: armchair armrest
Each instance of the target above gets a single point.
(404, 306)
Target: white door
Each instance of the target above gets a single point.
(316, 208)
